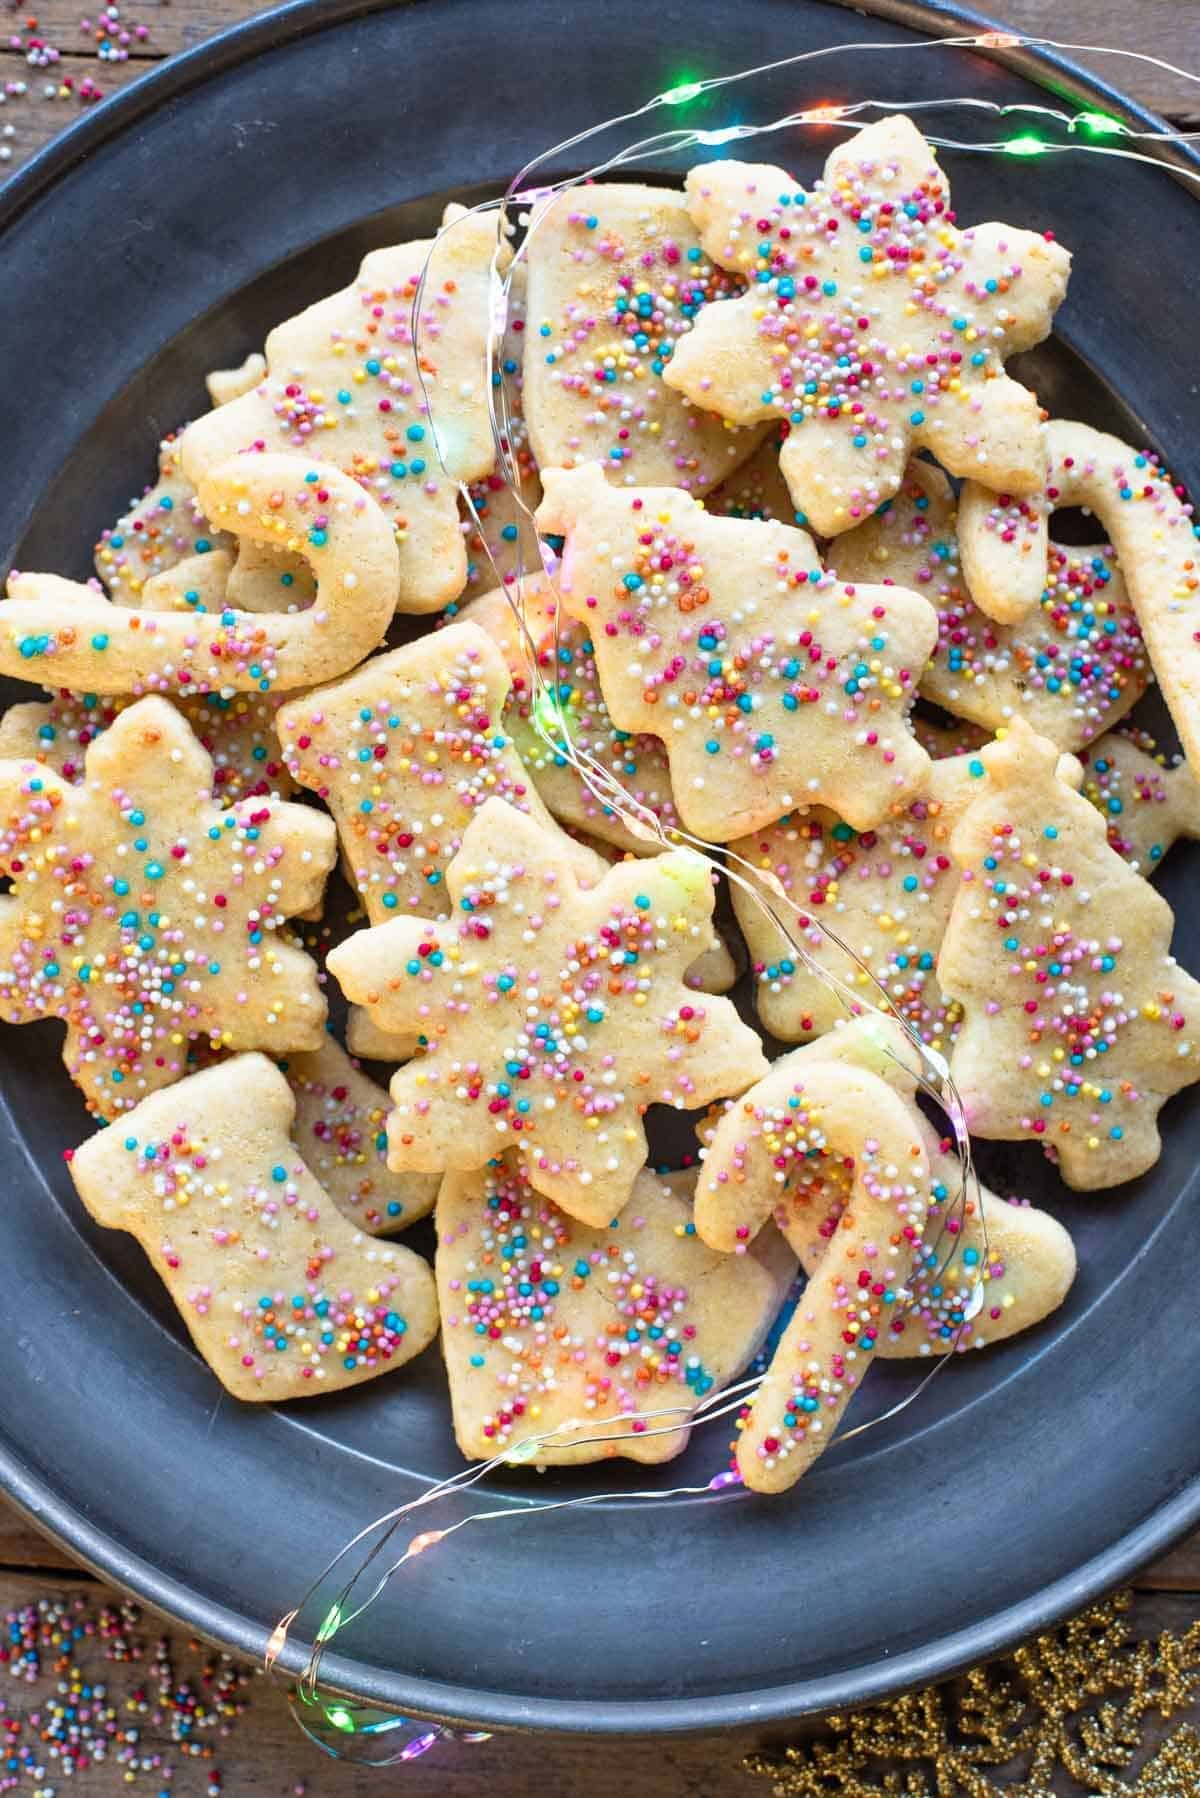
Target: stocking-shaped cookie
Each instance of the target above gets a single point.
(607, 1336)
(144, 915)
(771, 684)
(282, 1296)
(404, 752)
(409, 419)
(617, 279)
(1146, 804)
(885, 894)
(1079, 1024)
(70, 635)
(552, 1017)
(873, 323)
(341, 1130)
(1070, 667)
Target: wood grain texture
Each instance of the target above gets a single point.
(267, 1755)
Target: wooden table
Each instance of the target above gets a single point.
(266, 1753)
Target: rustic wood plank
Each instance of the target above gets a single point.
(266, 1754)
(1170, 29)
(34, 120)
(1165, 28)
(22, 1545)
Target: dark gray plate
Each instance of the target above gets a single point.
(160, 238)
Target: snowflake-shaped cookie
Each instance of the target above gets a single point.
(771, 683)
(143, 915)
(552, 1017)
(873, 324)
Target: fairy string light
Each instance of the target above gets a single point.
(1083, 132)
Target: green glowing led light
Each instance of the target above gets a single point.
(685, 91)
(331, 1625)
(1024, 146)
(341, 1719)
(548, 716)
(1098, 124)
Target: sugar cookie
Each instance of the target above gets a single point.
(226, 384)
(281, 1295)
(987, 1269)
(871, 1147)
(771, 684)
(162, 528)
(873, 324)
(547, 1320)
(553, 1016)
(571, 714)
(403, 752)
(875, 1201)
(1079, 1024)
(343, 383)
(1146, 804)
(58, 631)
(238, 733)
(886, 893)
(1150, 524)
(1071, 669)
(143, 915)
(617, 279)
(340, 1129)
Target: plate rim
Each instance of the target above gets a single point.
(64, 1521)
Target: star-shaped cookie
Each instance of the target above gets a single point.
(144, 915)
(873, 324)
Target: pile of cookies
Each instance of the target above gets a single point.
(734, 413)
